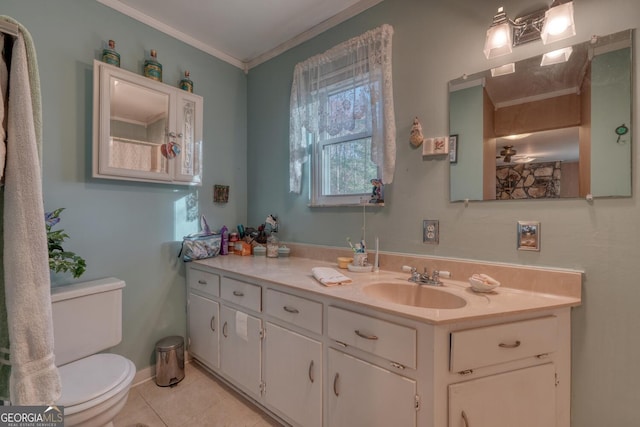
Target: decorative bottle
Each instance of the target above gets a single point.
(109, 54)
(152, 68)
(186, 83)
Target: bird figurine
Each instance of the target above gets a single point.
(416, 138)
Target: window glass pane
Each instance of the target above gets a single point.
(347, 167)
(347, 112)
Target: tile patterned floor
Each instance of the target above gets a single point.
(198, 400)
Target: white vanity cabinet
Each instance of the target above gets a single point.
(320, 361)
(363, 394)
(203, 316)
(241, 333)
(241, 348)
(293, 362)
(144, 130)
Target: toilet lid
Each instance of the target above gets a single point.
(89, 378)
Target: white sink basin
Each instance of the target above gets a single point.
(415, 295)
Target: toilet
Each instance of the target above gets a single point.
(87, 319)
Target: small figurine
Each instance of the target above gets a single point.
(416, 138)
(377, 193)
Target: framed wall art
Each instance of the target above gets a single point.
(528, 236)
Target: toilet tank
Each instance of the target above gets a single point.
(87, 318)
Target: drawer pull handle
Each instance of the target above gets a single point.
(238, 293)
(365, 336)
(291, 309)
(311, 376)
(514, 345)
(212, 323)
(465, 419)
(202, 282)
(224, 330)
(335, 384)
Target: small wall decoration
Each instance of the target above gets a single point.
(220, 193)
(528, 236)
(377, 192)
(453, 149)
(435, 146)
(416, 138)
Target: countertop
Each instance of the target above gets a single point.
(295, 273)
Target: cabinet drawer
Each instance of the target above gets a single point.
(394, 342)
(204, 282)
(298, 311)
(491, 345)
(242, 293)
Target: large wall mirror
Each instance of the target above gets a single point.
(557, 127)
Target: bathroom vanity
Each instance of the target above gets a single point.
(341, 356)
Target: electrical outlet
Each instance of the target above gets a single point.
(431, 231)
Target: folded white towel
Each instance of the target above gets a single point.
(330, 277)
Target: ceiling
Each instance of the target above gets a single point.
(243, 33)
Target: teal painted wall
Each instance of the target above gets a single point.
(124, 229)
(434, 42)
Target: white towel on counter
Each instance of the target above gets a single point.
(330, 277)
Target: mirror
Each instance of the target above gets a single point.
(558, 130)
(145, 130)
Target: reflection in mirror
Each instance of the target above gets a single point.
(546, 131)
(138, 123)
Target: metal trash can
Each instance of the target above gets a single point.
(169, 361)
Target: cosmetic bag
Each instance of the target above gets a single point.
(205, 244)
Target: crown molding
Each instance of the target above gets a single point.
(348, 13)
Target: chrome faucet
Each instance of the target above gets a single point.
(424, 278)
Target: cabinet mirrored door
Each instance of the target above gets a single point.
(145, 130)
(135, 120)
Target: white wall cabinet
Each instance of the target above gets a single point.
(315, 361)
(362, 394)
(144, 130)
(293, 375)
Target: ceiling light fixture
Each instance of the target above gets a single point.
(558, 22)
(503, 69)
(550, 25)
(557, 56)
(498, 41)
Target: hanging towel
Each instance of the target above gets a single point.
(34, 376)
(329, 277)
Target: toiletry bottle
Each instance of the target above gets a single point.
(152, 68)
(224, 243)
(186, 83)
(272, 246)
(109, 54)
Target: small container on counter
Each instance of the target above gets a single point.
(272, 246)
(283, 251)
(259, 250)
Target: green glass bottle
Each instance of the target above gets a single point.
(186, 83)
(152, 68)
(109, 54)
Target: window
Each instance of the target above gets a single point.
(342, 117)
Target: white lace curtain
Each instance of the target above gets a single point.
(363, 62)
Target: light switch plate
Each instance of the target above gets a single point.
(431, 231)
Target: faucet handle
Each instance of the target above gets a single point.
(409, 269)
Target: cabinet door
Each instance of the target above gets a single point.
(362, 394)
(134, 114)
(523, 398)
(203, 330)
(293, 375)
(241, 349)
(188, 135)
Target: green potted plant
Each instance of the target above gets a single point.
(60, 260)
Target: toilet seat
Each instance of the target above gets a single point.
(90, 381)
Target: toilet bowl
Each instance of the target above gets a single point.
(87, 318)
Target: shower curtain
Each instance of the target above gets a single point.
(26, 309)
